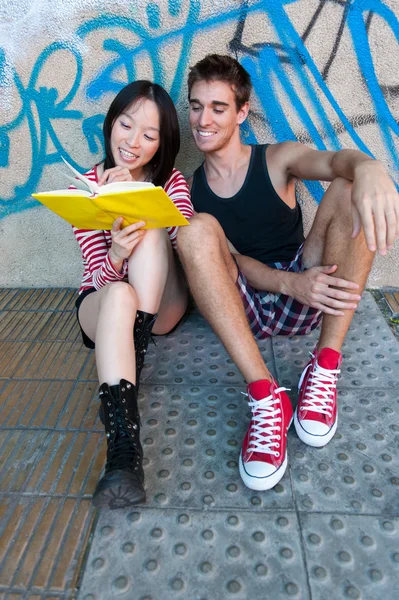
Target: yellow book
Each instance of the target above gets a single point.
(96, 207)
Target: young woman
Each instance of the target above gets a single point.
(132, 285)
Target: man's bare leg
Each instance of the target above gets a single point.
(211, 274)
(329, 243)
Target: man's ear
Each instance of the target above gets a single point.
(243, 113)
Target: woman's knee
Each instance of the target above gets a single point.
(155, 238)
(119, 294)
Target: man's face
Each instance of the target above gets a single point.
(214, 119)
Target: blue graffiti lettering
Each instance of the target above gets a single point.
(278, 69)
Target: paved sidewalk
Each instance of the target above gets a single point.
(329, 530)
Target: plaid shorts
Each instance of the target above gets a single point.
(277, 314)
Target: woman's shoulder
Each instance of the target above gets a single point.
(176, 178)
(94, 173)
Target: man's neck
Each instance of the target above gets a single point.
(223, 163)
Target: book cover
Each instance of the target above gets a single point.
(96, 207)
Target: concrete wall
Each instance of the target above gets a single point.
(324, 72)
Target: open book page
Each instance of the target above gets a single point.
(77, 183)
(124, 186)
(83, 183)
(91, 185)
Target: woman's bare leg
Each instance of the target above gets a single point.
(155, 285)
(158, 281)
(107, 317)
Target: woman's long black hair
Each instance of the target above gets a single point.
(162, 163)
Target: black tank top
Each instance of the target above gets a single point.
(256, 220)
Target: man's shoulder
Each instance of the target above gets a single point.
(278, 153)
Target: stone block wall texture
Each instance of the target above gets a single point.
(324, 73)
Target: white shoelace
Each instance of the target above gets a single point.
(266, 426)
(320, 390)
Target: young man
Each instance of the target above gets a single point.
(251, 271)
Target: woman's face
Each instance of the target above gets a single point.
(135, 137)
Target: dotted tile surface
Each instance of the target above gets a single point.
(202, 555)
(329, 529)
(370, 352)
(357, 557)
(359, 468)
(192, 438)
(182, 544)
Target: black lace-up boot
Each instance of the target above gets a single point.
(122, 482)
(142, 333)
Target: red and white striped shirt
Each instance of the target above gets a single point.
(95, 243)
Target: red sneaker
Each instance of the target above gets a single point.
(316, 415)
(263, 458)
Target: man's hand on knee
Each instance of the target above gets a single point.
(317, 288)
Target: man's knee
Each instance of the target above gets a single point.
(340, 192)
(203, 231)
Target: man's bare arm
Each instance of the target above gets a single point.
(375, 201)
(315, 287)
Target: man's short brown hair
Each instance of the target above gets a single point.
(221, 67)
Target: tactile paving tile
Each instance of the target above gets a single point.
(34, 404)
(44, 325)
(7, 296)
(354, 557)
(42, 360)
(166, 555)
(55, 404)
(192, 438)
(370, 352)
(41, 537)
(43, 462)
(22, 325)
(38, 299)
(359, 468)
(191, 354)
(194, 418)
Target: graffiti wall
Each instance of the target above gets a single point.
(324, 73)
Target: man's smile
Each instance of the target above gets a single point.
(205, 133)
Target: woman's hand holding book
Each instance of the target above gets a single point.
(124, 241)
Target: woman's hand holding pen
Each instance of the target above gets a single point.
(115, 174)
(124, 241)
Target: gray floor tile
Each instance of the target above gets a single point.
(351, 556)
(197, 555)
(192, 438)
(370, 352)
(328, 530)
(359, 468)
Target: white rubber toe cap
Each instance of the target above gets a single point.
(314, 433)
(314, 427)
(261, 476)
